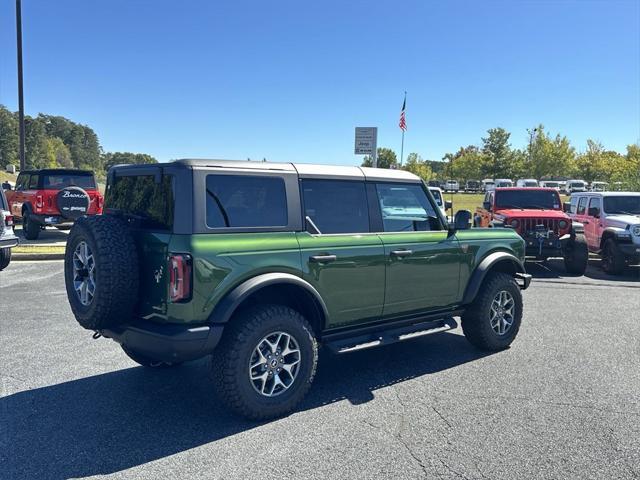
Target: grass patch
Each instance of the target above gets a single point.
(37, 249)
(4, 176)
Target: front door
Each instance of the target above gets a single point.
(342, 259)
(423, 260)
(592, 224)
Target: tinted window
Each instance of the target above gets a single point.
(149, 202)
(582, 205)
(246, 201)
(33, 182)
(437, 197)
(406, 208)
(574, 204)
(64, 180)
(22, 182)
(336, 206)
(595, 202)
(528, 199)
(622, 204)
(3, 202)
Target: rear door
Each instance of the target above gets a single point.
(345, 262)
(17, 197)
(422, 259)
(592, 224)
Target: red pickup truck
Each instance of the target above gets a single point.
(55, 197)
(537, 215)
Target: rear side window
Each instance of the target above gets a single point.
(60, 181)
(336, 206)
(22, 182)
(582, 205)
(33, 182)
(406, 208)
(245, 201)
(142, 198)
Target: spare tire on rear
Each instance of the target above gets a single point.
(73, 202)
(101, 271)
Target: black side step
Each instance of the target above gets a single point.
(393, 335)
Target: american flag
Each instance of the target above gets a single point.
(403, 120)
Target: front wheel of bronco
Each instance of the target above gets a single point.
(612, 258)
(576, 255)
(265, 362)
(493, 319)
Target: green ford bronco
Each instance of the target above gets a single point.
(259, 263)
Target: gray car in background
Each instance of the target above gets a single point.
(8, 238)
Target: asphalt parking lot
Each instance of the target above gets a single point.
(562, 402)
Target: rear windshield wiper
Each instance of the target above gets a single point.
(222, 210)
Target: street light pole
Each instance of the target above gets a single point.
(20, 90)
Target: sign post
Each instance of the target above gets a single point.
(367, 143)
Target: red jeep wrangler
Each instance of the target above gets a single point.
(55, 197)
(537, 215)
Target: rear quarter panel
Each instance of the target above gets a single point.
(223, 261)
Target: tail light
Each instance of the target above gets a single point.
(8, 220)
(100, 202)
(39, 201)
(179, 277)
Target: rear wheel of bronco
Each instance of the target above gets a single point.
(266, 362)
(30, 229)
(5, 258)
(101, 271)
(493, 319)
(146, 361)
(576, 255)
(612, 258)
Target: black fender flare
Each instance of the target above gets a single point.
(225, 308)
(26, 207)
(484, 267)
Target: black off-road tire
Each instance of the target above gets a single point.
(476, 320)
(576, 255)
(5, 258)
(116, 271)
(230, 361)
(145, 361)
(613, 261)
(30, 229)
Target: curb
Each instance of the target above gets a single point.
(36, 256)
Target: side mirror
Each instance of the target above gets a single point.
(462, 220)
(486, 205)
(566, 206)
(594, 212)
(6, 186)
(448, 204)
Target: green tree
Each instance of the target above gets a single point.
(468, 163)
(116, 158)
(35, 137)
(9, 138)
(57, 154)
(386, 159)
(498, 150)
(416, 165)
(549, 157)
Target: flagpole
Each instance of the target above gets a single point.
(404, 106)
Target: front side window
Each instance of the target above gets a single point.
(574, 205)
(406, 208)
(244, 201)
(582, 205)
(336, 206)
(594, 203)
(437, 197)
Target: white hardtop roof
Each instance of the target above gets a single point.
(609, 194)
(308, 170)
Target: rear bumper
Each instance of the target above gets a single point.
(8, 241)
(167, 342)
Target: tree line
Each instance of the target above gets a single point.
(546, 157)
(56, 142)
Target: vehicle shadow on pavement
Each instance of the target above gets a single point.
(554, 268)
(118, 420)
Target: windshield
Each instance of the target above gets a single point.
(542, 199)
(64, 180)
(576, 184)
(629, 205)
(531, 184)
(551, 184)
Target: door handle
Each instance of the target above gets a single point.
(401, 253)
(586, 222)
(322, 258)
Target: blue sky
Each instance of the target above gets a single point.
(289, 80)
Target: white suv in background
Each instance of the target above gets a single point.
(574, 186)
(611, 226)
(440, 201)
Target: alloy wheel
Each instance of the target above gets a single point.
(84, 268)
(274, 364)
(502, 312)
